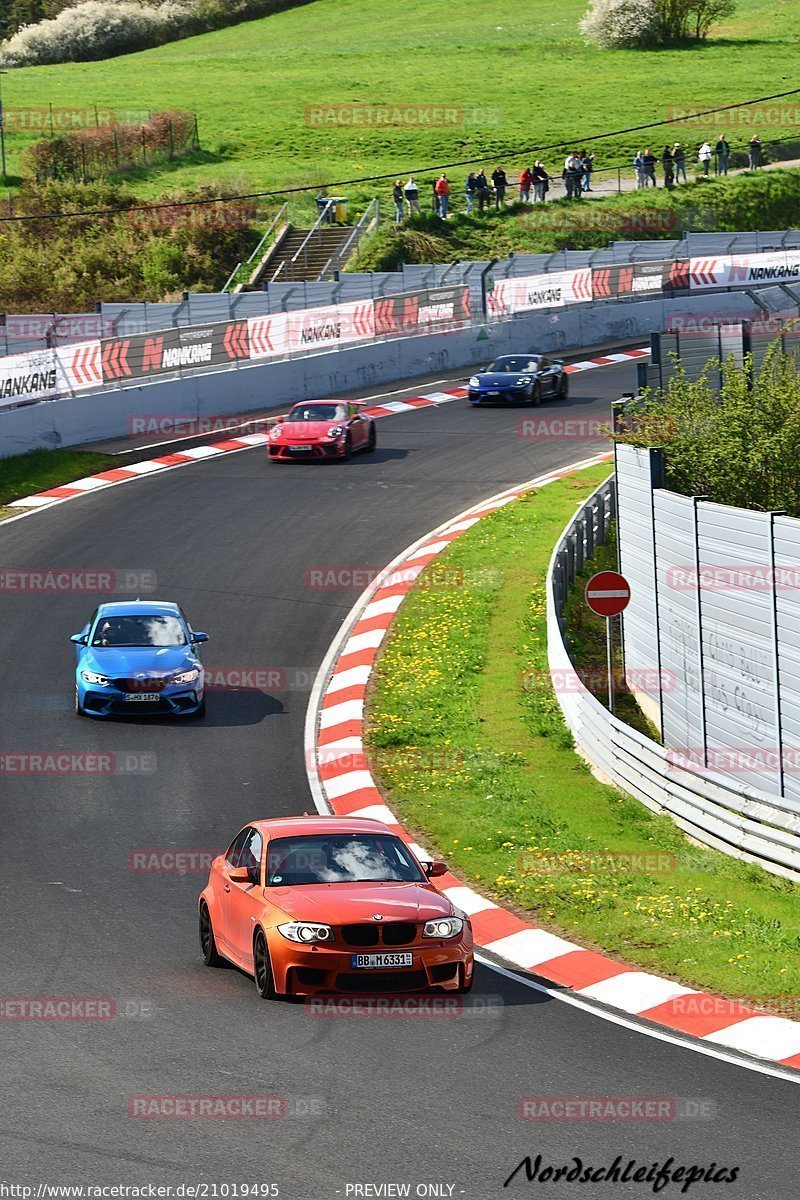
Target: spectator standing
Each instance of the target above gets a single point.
(443, 195)
(587, 162)
(397, 196)
(573, 173)
(722, 153)
(679, 159)
(704, 154)
(638, 166)
(483, 189)
(649, 168)
(541, 182)
(412, 195)
(754, 151)
(500, 182)
(525, 181)
(470, 191)
(668, 167)
(434, 197)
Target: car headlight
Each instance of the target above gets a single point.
(275, 432)
(523, 380)
(443, 927)
(93, 677)
(474, 382)
(186, 676)
(336, 431)
(306, 932)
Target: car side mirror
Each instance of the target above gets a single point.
(79, 639)
(239, 875)
(434, 869)
(199, 637)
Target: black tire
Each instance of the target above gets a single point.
(348, 449)
(262, 967)
(563, 387)
(536, 398)
(372, 441)
(208, 944)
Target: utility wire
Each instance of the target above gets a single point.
(581, 140)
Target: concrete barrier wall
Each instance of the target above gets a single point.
(82, 419)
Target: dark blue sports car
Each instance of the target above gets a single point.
(519, 379)
(139, 657)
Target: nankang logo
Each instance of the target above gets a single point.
(329, 331)
(538, 297)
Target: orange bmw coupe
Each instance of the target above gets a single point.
(332, 904)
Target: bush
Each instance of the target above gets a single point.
(93, 153)
(68, 265)
(95, 29)
(619, 24)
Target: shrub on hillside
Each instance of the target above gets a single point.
(93, 153)
(95, 29)
(621, 24)
(67, 265)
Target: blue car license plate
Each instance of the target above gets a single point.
(366, 962)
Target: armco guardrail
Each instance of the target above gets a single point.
(115, 361)
(737, 820)
(499, 290)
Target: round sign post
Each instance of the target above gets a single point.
(608, 594)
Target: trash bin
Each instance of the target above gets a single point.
(322, 202)
(340, 208)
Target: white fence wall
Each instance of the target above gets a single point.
(740, 820)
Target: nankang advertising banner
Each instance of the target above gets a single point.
(525, 293)
(743, 270)
(45, 374)
(177, 349)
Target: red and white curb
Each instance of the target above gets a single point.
(341, 782)
(183, 458)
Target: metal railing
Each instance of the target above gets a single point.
(314, 235)
(234, 282)
(738, 820)
(369, 220)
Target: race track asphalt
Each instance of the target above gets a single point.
(367, 1101)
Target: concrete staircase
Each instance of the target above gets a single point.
(324, 242)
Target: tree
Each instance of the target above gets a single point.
(642, 23)
(738, 443)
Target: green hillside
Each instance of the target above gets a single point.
(512, 73)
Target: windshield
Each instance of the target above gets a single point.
(154, 629)
(514, 363)
(317, 412)
(340, 858)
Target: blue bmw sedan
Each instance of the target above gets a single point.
(139, 657)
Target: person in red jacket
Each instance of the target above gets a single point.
(443, 193)
(525, 181)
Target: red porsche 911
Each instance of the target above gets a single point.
(332, 904)
(319, 429)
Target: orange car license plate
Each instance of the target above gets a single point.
(361, 962)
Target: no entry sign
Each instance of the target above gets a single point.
(608, 593)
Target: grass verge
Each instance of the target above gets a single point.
(479, 764)
(25, 474)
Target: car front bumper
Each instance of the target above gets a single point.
(307, 970)
(478, 396)
(312, 451)
(111, 702)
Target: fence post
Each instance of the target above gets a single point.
(83, 162)
(196, 134)
(52, 127)
(699, 628)
(171, 139)
(776, 671)
(144, 146)
(619, 180)
(96, 117)
(116, 149)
